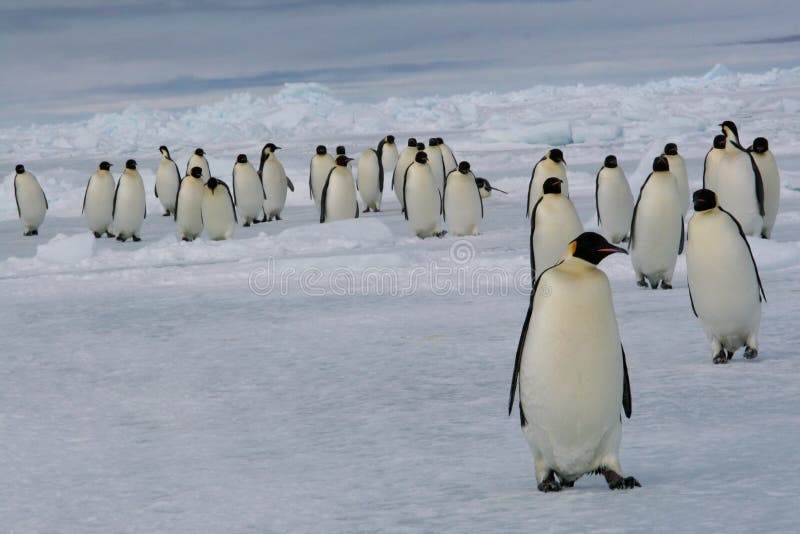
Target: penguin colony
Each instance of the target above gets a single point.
(570, 368)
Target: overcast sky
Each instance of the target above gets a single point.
(98, 55)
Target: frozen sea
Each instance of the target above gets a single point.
(349, 377)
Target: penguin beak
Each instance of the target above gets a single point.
(611, 249)
(495, 189)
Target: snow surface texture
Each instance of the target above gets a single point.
(348, 376)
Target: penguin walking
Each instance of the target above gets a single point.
(321, 164)
(422, 203)
(725, 288)
(554, 224)
(188, 213)
(275, 183)
(463, 205)
(613, 201)
(388, 153)
(656, 236)
(403, 163)
(369, 180)
(677, 166)
(338, 200)
(168, 180)
(31, 201)
(98, 201)
(217, 210)
(486, 188)
(552, 164)
(768, 168)
(130, 209)
(739, 184)
(247, 190)
(572, 373)
(198, 159)
(436, 162)
(450, 162)
(711, 162)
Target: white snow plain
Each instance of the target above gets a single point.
(350, 377)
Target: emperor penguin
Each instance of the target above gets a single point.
(486, 188)
(130, 209)
(168, 180)
(217, 210)
(463, 205)
(552, 164)
(369, 180)
(677, 166)
(656, 236)
(450, 162)
(422, 202)
(712, 161)
(98, 201)
(387, 150)
(436, 162)
(725, 288)
(275, 182)
(338, 200)
(768, 168)
(198, 159)
(554, 224)
(188, 213)
(321, 164)
(31, 201)
(405, 159)
(613, 201)
(572, 373)
(739, 184)
(247, 190)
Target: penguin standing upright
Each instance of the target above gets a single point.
(369, 181)
(198, 159)
(711, 162)
(130, 209)
(422, 202)
(552, 165)
(772, 182)
(725, 289)
(98, 201)
(436, 162)
(656, 236)
(217, 211)
(613, 201)
(188, 211)
(450, 162)
(247, 190)
(739, 185)
(388, 153)
(554, 224)
(31, 201)
(572, 373)
(463, 205)
(486, 188)
(321, 164)
(403, 162)
(677, 166)
(168, 180)
(338, 200)
(275, 182)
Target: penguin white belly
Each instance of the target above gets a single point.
(275, 186)
(615, 204)
(436, 163)
(677, 166)
(772, 189)
(546, 169)
(737, 191)
(190, 200)
(557, 223)
(368, 180)
(571, 376)
(657, 231)
(399, 175)
(320, 167)
(99, 203)
(422, 200)
(218, 216)
(130, 207)
(248, 192)
(31, 201)
(462, 204)
(340, 198)
(167, 183)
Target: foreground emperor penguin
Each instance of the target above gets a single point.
(724, 286)
(677, 166)
(711, 163)
(405, 159)
(31, 201)
(275, 183)
(552, 164)
(463, 205)
(738, 184)
(168, 181)
(198, 159)
(217, 210)
(656, 236)
(422, 203)
(554, 224)
(338, 200)
(772, 182)
(130, 209)
(188, 213)
(98, 201)
(572, 372)
(247, 190)
(321, 164)
(613, 201)
(369, 180)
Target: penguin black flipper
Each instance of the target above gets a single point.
(405, 198)
(19, 212)
(680, 246)
(227, 189)
(481, 199)
(289, 184)
(177, 196)
(379, 152)
(155, 190)
(86, 192)
(310, 191)
(441, 206)
(114, 206)
(635, 209)
(357, 209)
(705, 164)
(324, 196)
(759, 184)
(530, 186)
(533, 227)
(762, 296)
(596, 189)
(380, 170)
(627, 402)
(691, 301)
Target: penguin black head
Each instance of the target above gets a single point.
(390, 139)
(241, 158)
(199, 152)
(164, 150)
(420, 146)
(660, 164)
(483, 183)
(212, 183)
(731, 126)
(321, 150)
(463, 167)
(104, 166)
(343, 160)
(433, 141)
(760, 145)
(592, 247)
(20, 169)
(440, 140)
(552, 185)
(340, 151)
(704, 199)
(719, 141)
(671, 149)
(196, 172)
(130, 164)
(272, 147)
(556, 155)
(412, 142)
(610, 162)
(421, 157)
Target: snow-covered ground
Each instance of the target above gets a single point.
(349, 377)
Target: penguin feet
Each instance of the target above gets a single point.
(641, 283)
(750, 353)
(137, 238)
(97, 234)
(615, 481)
(31, 232)
(721, 357)
(109, 234)
(665, 285)
(566, 483)
(549, 484)
(366, 210)
(165, 214)
(184, 238)
(246, 225)
(121, 239)
(654, 285)
(278, 218)
(441, 234)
